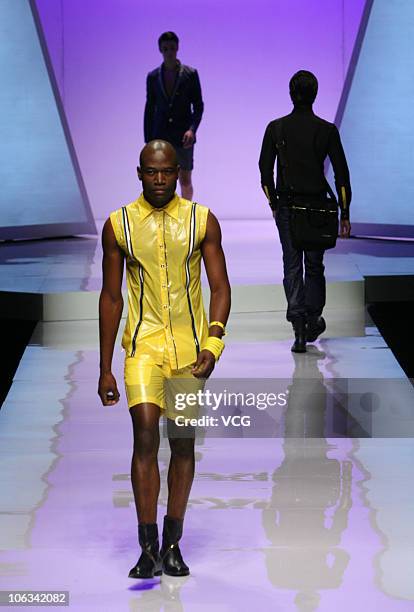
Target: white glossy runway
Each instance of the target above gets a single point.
(285, 523)
(316, 517)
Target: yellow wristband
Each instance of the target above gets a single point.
(215, 346)
(220, 324)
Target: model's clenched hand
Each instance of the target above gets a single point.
(204, 365)
(108, 389)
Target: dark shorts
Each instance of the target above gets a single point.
(185, 157)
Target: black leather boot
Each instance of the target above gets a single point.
(172, 561)
(299, 327)
(315, 327)
(149, 563)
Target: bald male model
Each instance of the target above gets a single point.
(162, 238)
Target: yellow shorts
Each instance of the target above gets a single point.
(146, 381)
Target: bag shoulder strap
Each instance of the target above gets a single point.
(281, 151)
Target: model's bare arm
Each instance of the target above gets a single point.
(220, 294)
(110, 310)
(215, 264)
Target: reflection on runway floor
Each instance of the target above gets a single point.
(304, 521)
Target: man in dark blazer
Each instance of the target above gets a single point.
(174, 107)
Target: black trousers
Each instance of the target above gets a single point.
(305, 293)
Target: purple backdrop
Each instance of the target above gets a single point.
(245, 53)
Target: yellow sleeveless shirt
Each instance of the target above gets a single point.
(163, 272)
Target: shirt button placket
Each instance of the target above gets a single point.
(164, 293)
(163, 274)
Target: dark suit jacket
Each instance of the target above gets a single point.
(170, 117)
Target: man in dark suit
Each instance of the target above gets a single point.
(308, 140)
(174, 107)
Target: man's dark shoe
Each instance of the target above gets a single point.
(172, 561)
(314, 328)
(149, 563)
(299, 327)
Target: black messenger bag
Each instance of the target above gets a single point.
(314, 228)
(314, 220)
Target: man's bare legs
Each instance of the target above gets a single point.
(184, 177)
(145, 478)
(145, 475)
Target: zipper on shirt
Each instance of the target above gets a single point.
(187, 272)
(141, 296)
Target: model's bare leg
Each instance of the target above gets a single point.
(145, 478)
(186, 185)
(180, 471)
(180, 479)
(145, 475)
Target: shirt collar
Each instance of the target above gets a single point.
(145, 208)
(177, 66)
